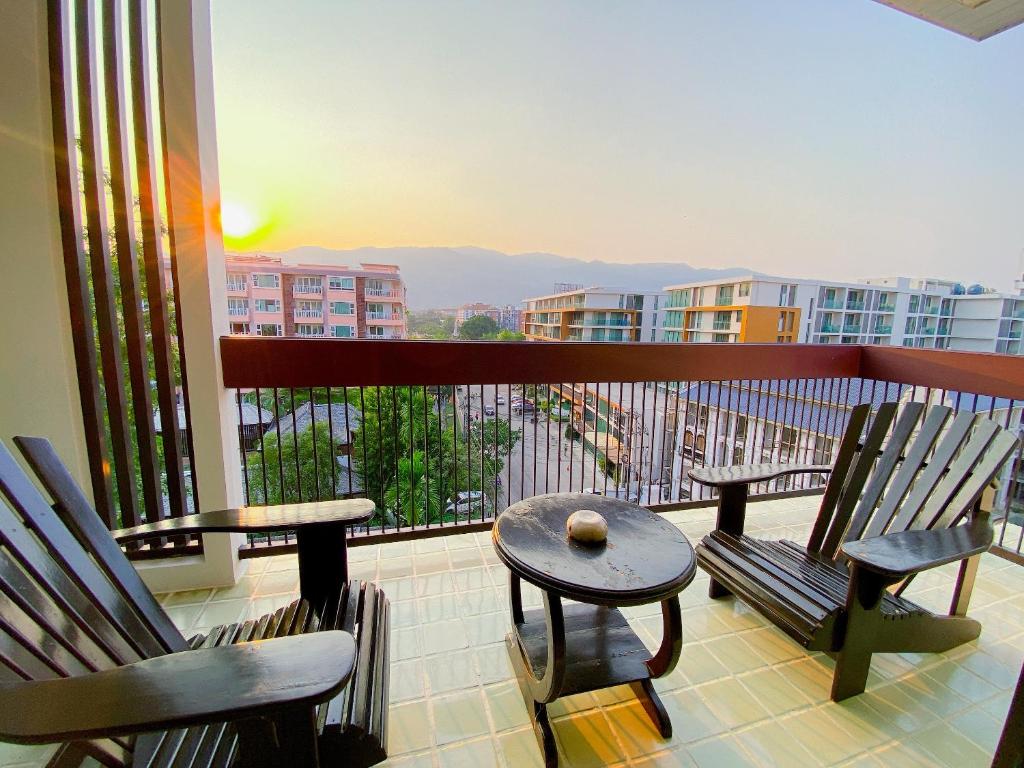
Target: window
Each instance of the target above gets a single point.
(787, 296)
(238, 307)
(375, 331)
(823, 450)
(691, 414)
(737, 454)
(741, 429)
(236, 281)
(342, 331)
(309, 309)
(739, 316)
(915, 303)
(768, 442)
(744, 289)
(266, 281)
(339, 283)
(309, 329)
(342, 308)
(268, 329)
(308, 285)
(721, 338)
(240, 329)
(788, 445)
(268, 305)
(702, 417)
(909, 328)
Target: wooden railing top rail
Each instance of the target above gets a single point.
(299, 363)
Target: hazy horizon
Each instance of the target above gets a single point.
(788, 138)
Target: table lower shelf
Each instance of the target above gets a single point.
(601, 649)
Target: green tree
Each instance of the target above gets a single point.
(299, 462)
(511, 336)
(477, 327)
(411, 495)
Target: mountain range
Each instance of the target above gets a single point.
(447, 277)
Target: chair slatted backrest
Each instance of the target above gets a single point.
(63, 612)
(931, 472)
(834, 519)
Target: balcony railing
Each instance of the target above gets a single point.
(856, 306)
(410, 424)
(383, 316)
(883, 329)
(722, 325)
(383, 292)
(307, 290)
(851, 329)
(886, 307)
(309, 313)
(832, 304)
(829, 328)
(238, 311)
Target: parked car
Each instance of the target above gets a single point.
(501, 399)
(489, 410)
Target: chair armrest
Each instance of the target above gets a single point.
(280, 517)
(178, 690)
(745, 474)
(898, 555)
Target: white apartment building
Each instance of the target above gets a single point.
(594, 314)
(900, 311)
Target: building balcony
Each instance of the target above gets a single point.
(238, 311)
(851, 329)
(831, 304)
(927, 331)
(309, 314)
(385, 318)
(307, 290)
(237, 289)
(722, 325)
(383, 293)
(882, 329)
(829, 328)
(886, 307)
(855, 306)
(742, 687)
(930, 310)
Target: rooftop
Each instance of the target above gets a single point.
(743, 693)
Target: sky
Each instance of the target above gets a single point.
(834, 139)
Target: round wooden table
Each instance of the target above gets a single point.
(589, 645)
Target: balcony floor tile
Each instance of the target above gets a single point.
(743, 694)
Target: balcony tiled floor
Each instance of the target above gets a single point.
(743, 693)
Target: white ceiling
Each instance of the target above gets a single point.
(976, 19)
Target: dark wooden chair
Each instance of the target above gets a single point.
(887, 513)
(89, 658)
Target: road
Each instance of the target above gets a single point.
(542, 460)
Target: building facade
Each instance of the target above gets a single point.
(267, 297)
(901, 311)
(508, 318)
(593, 314)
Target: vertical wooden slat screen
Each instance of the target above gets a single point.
(105, 120)
(126, 243)
(99, 257)
(75, 272)
(175, 282)
(152, 253)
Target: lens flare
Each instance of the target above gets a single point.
(236, 221)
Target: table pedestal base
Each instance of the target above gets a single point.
(596, 649)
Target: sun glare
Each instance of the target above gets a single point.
(235, 220)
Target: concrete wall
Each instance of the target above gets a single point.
(37, 364)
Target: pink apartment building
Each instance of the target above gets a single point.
(267, 297)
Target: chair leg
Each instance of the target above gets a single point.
(863, 622)
(732, 510)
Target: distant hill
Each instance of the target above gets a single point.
(447, 277)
